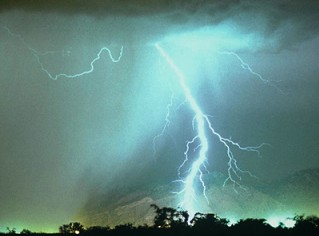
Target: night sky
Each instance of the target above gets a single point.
(63, 141)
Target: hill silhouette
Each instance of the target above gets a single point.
(295, 194)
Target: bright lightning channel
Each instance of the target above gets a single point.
(201, 125)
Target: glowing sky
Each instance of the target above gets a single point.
(64, 141)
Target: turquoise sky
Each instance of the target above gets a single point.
(62, 141)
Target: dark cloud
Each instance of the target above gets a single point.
(277, 24)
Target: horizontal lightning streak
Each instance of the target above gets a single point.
(37, 55)
(98, 56)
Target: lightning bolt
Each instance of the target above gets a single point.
(90, 70)
(202, 127)
(38, 56)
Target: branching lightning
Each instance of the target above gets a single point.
(167, 122)
(246, 66)
(202, 125)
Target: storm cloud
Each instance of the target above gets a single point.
(278, 24)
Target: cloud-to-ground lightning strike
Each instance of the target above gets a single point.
(37, 55)
(202, 124)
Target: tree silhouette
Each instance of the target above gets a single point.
(124, 227)
(256, 227)
(306, 225)
(167, 217)
(11, 231)
(209, 223)
(25, 231)
(171, 222)
(71, 228)
(97, 230)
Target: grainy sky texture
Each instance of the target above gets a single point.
(62, 141)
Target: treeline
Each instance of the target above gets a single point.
(170, 221)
